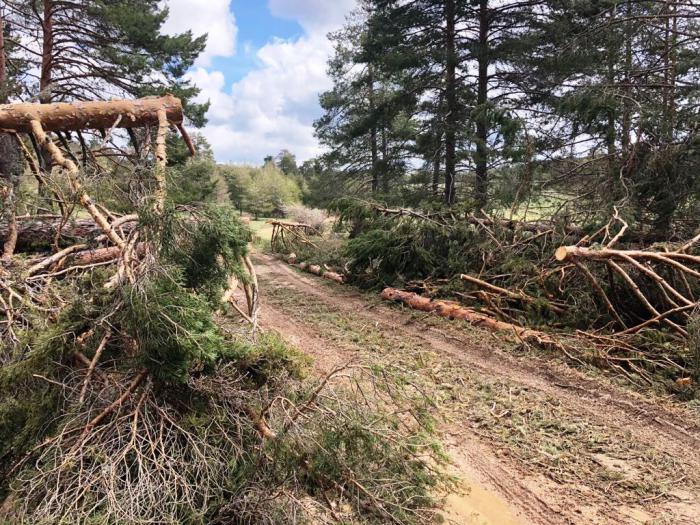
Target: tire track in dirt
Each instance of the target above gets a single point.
(666, 428)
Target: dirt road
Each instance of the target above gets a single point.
(537, 441)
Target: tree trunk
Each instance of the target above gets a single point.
(481, 161)
(3, 63)
(613, 189)
(10, 163)
(385, 162)
(374, 147)
(38, 233)
(451, 100)
(82, 115)
(436, 167)
(46, 54)
(452, 310)
(670, 59)
(627, 104)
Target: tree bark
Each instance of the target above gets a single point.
(627, 103)
(3, 62)
(83, 115)
(10, 163)
(451, 101)
(385, 161)
(436, 169)
(46, 53)
(452, 310)
(37, 234)
(481, 160)
(374, 145)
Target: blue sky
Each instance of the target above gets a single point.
(256, 27)
(262, 71)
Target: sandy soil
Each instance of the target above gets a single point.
(537, 441)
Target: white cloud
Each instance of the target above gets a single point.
(313, 15)
(213, 17)
(273, 107)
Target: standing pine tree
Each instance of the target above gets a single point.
(623, 78)
(366, 122)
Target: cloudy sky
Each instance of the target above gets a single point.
(262, 70)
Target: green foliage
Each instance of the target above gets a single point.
(287, 163)
(261, 191)
(172, 327)
(178, 153)
(269, 360)
(192, 182)
(29, 398)
(351, 453)
(117, 47)
(205, 247)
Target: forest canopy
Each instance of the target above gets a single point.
(511, 105)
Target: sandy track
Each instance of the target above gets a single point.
(653, 427)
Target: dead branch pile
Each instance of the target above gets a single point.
(674, 274)
(81, 309)
(628, 301)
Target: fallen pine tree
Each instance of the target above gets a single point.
(35, 233)
(453, 310)
(621, 353)
(629, 304)
(127, 397)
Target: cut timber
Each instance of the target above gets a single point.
(316, 270)
(36, 233)
(453, 310)
(333, 276)
(79, 256)
(85, 115)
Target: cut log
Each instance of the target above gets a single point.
(333, 276)
(452, 310)
(40, 233)
(100, 255)
(90, 115)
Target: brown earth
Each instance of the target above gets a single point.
(535, 441)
